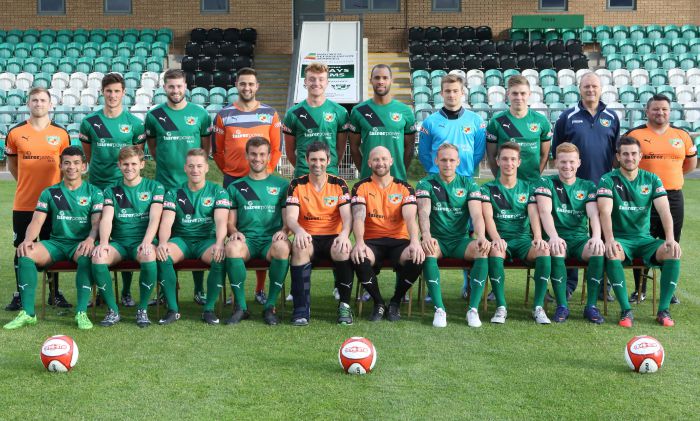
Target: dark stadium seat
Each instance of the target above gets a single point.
(538, 46)
(436, 48)
(224, 63)
(227, 49)
(433, 33)
(467, 33)
(437, 63)
(472, 62)
(562, 63)
(232, 35)
(508, 62)
(487, 47)
(543, 62)
(418, 63)
(189, 64)
(193, 49)
(504, 47)
(244, 48)
(416, 33)
(189, 78)
(454, 62)
(521, 46)
(249, 35)
(198, 35)
(211, 49)
(453, 48)
(417, 48)
(215, 35)
(556, 46)
(204, 80)
(574, 46)
(242, 61)
(450, 33)
(223, 79)
(484, 32)
(207, 64)
(581, 62)
(489, 62)
(470, 48)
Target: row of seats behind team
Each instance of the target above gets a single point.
(489, 47)
(52, 65)
(83, 36)
(647, 46)
(503, 62)
(601, 33)
(652, 61)
(89, 49)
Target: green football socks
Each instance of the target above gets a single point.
(431, 274)
(477, 279)
(147, 282)
(278, 273)
(100, 274)
(543, 267)
(616, 276)
(235, 268)
(27, 274)
(558, 278)
(498, 277)
(168, 282)
(594, 279)
(83, 283)
(670, 271)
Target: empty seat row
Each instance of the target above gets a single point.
(221, 79)
(656, 77)
(82, 36)
(470, 47)
(652, 61)
(211, 64)
(201, 35)
(545, 61)
(217, 49)
(83, 64)
(449, 33)
(475, 77)
(635, 32)
(76, 50)
(646, 46)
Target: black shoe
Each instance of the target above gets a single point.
(210, 318)
(344, 314)
(237, 316)
(60, 301)
(491, 296)
(675, 300)
(127, 301)
(394, 315)
(170, 317)
(111, 319)
(15, 303)
(160, 300)
(270, 316)
(142, 318)
(377, 313)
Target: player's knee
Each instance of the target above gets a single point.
(338, 255)
(146, 258)
(235, 249)
(497, 253)
(541, 252)
(280, 249)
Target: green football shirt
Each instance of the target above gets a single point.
(132, 205)
(106, 137)
(449, 204)
(194, 211)
(383, 125)
(632, 201)
(509, 207)
(529, 132)
(568, 203)
(308, 124)
(176, 132)
(70, 210)
(258, 205)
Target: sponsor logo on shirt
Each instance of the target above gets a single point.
(191, 120)
(42, 205)
(223, 202)
(605, 191)
(293, 199)
(660, 189)
(577, 121)
(273, 190)
(329, 117)
(534, 127)
(395, 199)
(207, 201)
(144, 196)
(330, 201)
(676, 143)
(605, 122)
(82, 201)
(53, 140)
(125, 128)
(396, 117)
(422, 193)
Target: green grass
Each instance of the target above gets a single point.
(252, 371)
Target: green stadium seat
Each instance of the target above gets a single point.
(658, 77)
(40, 50)
(73, 129)
(125, 49)
(548, 77)
(200, 96)
(694, 45)
(620, 32)
(137, 64)
(669, 61)
(682, 124)
(98, 36)
(23, 50)
(114, 36)
(517, 34)
(655, 32)
(551, 34)
(420, 78)
(689, 31)
(435, 89)
(536, 34)
(633, 61)
(102, 64)
(30, 36)
(159, 49)
(14, 36)
(567, 34)
(108, 49)
(436, 76)
(3, 96)
(147, 35)
(671, 32)
(679, 46)
(132, 80)
(154, 64)
(637, 32)
(91, 49)
(6, 114)
(32, 65)
(64, 36)
(14, 65)
(508, 74)
(624, 125)
(15, 97)
(49, 65)
(3, 34)
(74, 50)
(608, 46)
(637, 123)
(676, 111)
(436, 98)
(57, 50)
(571, 94)
(651, 61)
(644, 93)
(696, 128)
(477, 95)
(555, 109)
(217, 96)
(614, 62)
(42, 80)
(129, 97)
(7, 50)
(493, 77)
(666, 90)
(47, 36)
(587, 34)
(159, 96)
(131, 36)
(552, 94)
(687, 61)
(643, 46)
(62, 115)
(142, 49)
(421, 94)
(3, 63)
(626, 46)
(422, 111)
(84, 64)
(120, 64)
(627, 94)
(481, 108)
(81, 36)
(232, 95)
(165, 35)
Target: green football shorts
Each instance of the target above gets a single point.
(193, 249)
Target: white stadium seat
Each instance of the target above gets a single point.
(684, 94)
(692, 76)
(56, 95)
(88, 97)
(24, 81)
(618, 108)
(71, 97)
(536, 95)
(640, 77)
(676, 77)
(580, 73)
(605, 77)
(609, 94)
(139, 110)
(566, 77)
(475, 77)
(95, 80)
(692, 115)
(532, 76)
(621, 77)
(7, 81)
(496, 94)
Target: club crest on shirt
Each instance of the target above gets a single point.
(580, 194)
(605, 122)
(273, 190)
(534, 127)
(459, 192)
(191, 120)
(396, 117)
(125, 128)
(395, 199)
(645, 189)
(329, 117)
(264, 118)
(82, 201)
(330, 201)
(207, 201)
(522, 198)
(466, 129)
(676, 143)
(53, 140)
(144, 196)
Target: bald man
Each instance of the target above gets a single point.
(384, 223)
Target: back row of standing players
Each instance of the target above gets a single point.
(177, 126)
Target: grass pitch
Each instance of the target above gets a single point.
(252, 371)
